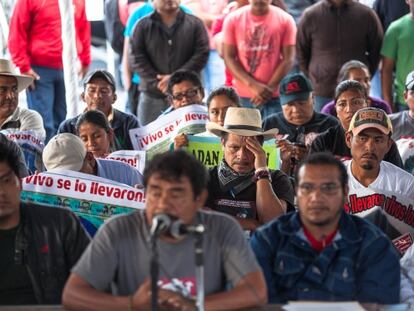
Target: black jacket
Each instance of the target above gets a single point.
(121, 124)
(157, 49)
(49, 241)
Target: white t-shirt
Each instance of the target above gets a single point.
(388, 201)
(391, 178)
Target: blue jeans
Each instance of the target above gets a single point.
(48, 98)
(149, 108)
(319, 102)
(270, 107)
(213, 73)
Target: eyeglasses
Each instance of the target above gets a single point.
(327, 188)
(355, 102)
(8, 180)
(188, 94)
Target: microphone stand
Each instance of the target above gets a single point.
(154, 269)
(199, 262)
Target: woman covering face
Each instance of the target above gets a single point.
(94, 130)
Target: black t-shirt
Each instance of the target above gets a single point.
(319, 123)
(333, 140)
(243, 204)
(15, 284)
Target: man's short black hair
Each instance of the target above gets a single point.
(350, 85)
(9, 153)
(327, 159)
(181, 76)
(227, 91)
(177, 164)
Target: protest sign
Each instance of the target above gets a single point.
(92, 198)
(208, 150)
(31, 145)
(134, 158)
(157, 136)
(390, 211)
(406, 149)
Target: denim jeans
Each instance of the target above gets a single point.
(213, 73)
(270, 107)
(149, 108)
(48, 98)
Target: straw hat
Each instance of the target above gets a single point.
(243, 122)
(8, 69)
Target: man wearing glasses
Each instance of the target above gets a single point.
(322, 253)
(350, 96)
(184, 89)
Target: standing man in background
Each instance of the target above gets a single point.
(35, 46)
(259, 50)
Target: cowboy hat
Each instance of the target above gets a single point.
(7, 69)
(243, 122)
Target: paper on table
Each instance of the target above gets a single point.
(322, 306)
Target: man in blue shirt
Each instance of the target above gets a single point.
(322, 253)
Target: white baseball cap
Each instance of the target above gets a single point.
(64, 151)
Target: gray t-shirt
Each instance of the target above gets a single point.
(402, 124)
(118, 258)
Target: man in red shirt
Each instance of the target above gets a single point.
(35, 47)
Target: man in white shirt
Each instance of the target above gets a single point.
(374, 183)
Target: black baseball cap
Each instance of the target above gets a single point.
(294, 87)
(100, 73)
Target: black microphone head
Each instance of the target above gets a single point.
(160, 224)
(177, 229)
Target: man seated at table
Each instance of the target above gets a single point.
(242, 185)
(38, 244)
(321, 252)
(113, 273)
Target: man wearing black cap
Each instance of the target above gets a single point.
(297, 120)
(99, 93)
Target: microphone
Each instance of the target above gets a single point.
(160, 224)
(178, 229)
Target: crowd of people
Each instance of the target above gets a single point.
(328, 88)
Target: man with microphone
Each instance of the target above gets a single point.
(113, 273)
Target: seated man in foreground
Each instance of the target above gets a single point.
(321, 252)
(113, 272)
(38, 244)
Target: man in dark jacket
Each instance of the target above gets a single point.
(322, 253)
(100, 93)
(38, 245)
(162, 43)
